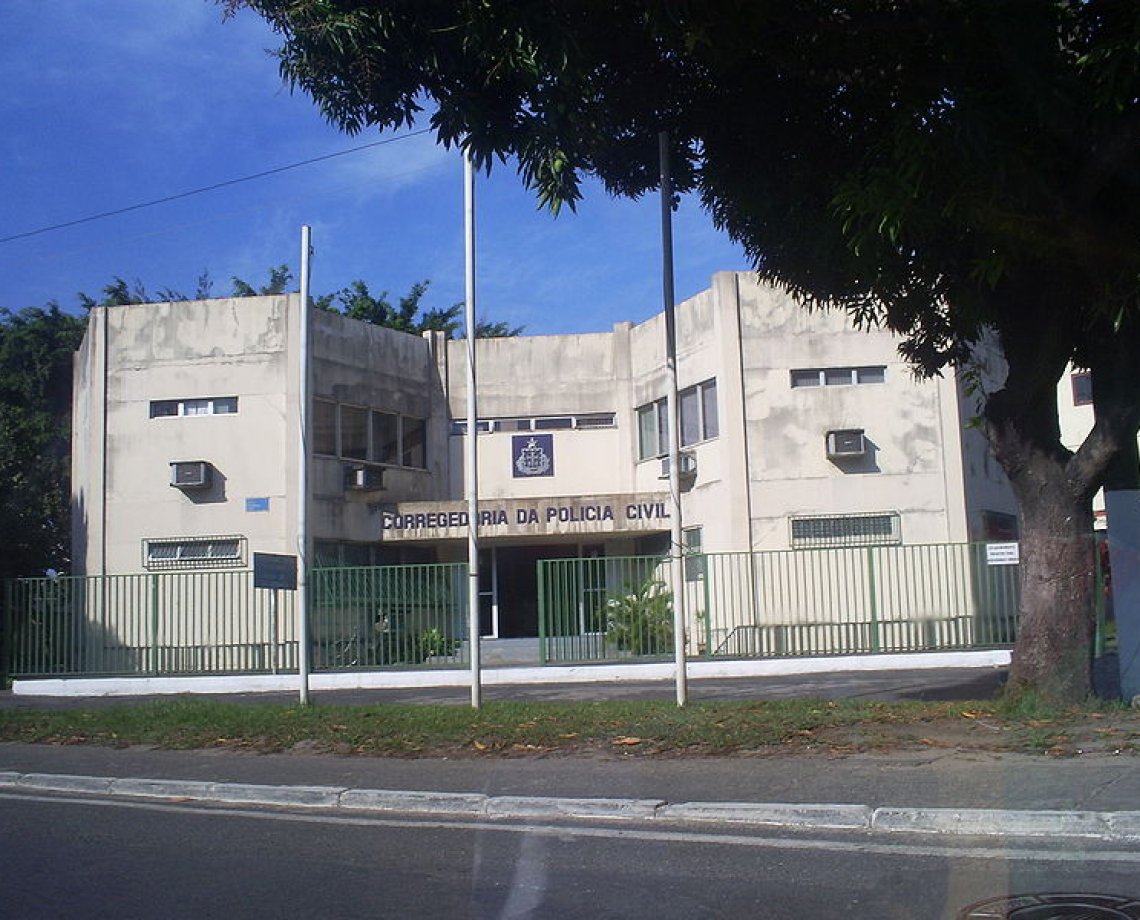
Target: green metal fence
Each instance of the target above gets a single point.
(150, 624)
(801, 602)
(795, 602)
(391, 615)
(217, 623)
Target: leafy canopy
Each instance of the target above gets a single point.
(931, 164)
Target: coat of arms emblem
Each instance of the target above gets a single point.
(533, 455)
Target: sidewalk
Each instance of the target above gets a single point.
(933, 791)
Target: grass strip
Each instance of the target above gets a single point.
(626, 728)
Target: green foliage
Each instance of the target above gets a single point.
(280, 277)
(639, 618)
(408, 314)
(36, 348)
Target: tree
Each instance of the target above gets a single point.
(357, 302)
(951, 169)
(36, 346)
(279, 279)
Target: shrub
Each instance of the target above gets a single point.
(639, 619)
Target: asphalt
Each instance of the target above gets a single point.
(944, 793)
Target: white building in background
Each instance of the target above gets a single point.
(1075, 410)
(797, 431)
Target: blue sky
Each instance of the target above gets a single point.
(112, 103)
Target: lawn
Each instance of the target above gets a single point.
(613, 728)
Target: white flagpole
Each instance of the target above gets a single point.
(471, 462)
(303, 472)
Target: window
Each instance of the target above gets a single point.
(171, 408)
(999, 525)
(597, 420)
(553, 423)
(385, 437)
(197, 552)
(324, 427)
(459, 426)
(848, 530)
(353, 433)
(1082, 388)
(653, 430)
(413, 438)
(837, 376)
(540, 423)
(368, 435)
(699, 420)
(692, 539)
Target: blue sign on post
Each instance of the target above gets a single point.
(274, 571)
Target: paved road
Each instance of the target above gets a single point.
(67, 858)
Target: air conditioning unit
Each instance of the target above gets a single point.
(364, 478)
(191, 474)
(846, 442)
(687, 465)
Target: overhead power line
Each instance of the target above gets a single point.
(207, 188)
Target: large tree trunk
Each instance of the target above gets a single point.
(1054, 489)
(1053, 653)
(1058, 579)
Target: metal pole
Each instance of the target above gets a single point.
(471, 462)
(303, 471)
(676, 564)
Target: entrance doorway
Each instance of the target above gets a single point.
(508, 587)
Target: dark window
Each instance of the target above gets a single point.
(353, 433)
(414, 442)
(324, 427)
(1082, 388)
(385, 438)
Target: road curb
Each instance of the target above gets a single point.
(967, 822)
(771, 814)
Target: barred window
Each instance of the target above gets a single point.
(194, 552)
(846, 530)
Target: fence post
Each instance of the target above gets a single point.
(542, 611)
(707, 577)
(6, 643)
(876, 641)
(154, 662)
(1098, 603)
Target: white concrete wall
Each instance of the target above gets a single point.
(535, 376)
(184, 350)
(911, 468)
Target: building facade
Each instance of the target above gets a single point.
(796, 431)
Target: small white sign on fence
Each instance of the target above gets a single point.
(1002, 554)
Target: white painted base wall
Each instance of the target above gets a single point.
(576, 674)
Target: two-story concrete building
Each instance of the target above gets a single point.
(797, 431)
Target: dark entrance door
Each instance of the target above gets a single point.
(518, 588)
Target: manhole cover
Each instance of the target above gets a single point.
(1054, 907)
